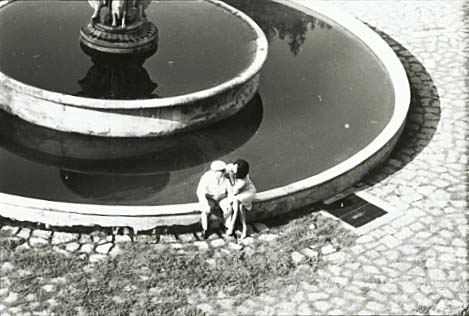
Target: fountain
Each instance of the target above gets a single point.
(118, 52)
(122, 136)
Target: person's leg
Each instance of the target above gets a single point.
(242, 213)
(227, 211)
(206, 210)
(204, 219)
(234, 217)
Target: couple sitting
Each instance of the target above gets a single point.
(228, 187)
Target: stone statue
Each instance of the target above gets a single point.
(97, 5)
(119, 11)
(119, 26)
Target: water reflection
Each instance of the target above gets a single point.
(100, 155)
(117, 76)
(115, 188)
(280, 21)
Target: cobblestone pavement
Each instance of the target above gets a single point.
(418, 264)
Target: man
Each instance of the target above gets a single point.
(210, 191)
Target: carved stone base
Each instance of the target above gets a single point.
(136, 38)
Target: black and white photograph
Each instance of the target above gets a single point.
(234, 157)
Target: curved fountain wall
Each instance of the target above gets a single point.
(138, 118)
(268, 203)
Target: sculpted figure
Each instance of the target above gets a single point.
(119, 11)
(96, 5)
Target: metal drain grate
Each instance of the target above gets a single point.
(354, 210)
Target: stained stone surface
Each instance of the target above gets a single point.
(416, 264)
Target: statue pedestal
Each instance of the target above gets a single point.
(137, 37)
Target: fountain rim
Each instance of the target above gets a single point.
(337, 178)
(259, 58)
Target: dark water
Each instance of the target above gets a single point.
(323, 97)
(40, 47)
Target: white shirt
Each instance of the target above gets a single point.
(211, 185)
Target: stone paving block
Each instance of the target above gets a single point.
(338, 257)
(235, 246)
(248, 241)
(268, 237)
(104, 248)
(340, 280)
(448, 258)
(322, 306)
(352, 265)
(122, 239)
(72, 247)
(36, 241)
(390, 288)
(17, 310)
(404, 233)
(376, 307)
(328, 249)
(8, 229)
(365, 239)
(44, 234)
(316, 296)
(164, 238)
(297, 257)
(87, 248)
(60, 237)
(4, 291)
(401, 222)
(49, 288)
(417, 271)
(115, 251)
(283, 308)
(357, 250)
(461, 253)
(24, 233)
(23, 246)
(333, 269)
(98, 257)
(371, 269)
(11, 298)
(408, 287)
(201, 245)
(303, 309)
(309, 252)
(373, 254)
(217, 243)
(391, 241)
(176, 245)
(371, 245)
(401, 266)
(6, 268)
(437, 274)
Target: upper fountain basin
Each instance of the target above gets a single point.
(186, 84)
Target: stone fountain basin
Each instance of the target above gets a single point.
(268, 203)
(139, 118)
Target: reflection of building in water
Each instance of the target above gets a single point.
(117, 76)
(280, 21)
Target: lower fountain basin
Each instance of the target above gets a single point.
(334, 102)
(198, 85)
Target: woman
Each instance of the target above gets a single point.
(241, 193)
